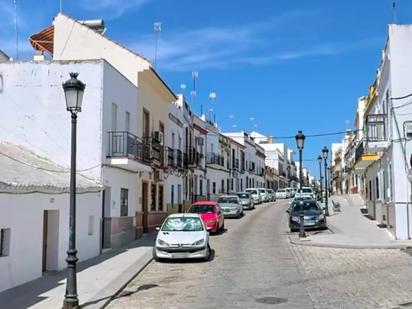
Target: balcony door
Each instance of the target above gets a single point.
(146, 123)
(145, 206)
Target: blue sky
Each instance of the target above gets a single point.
(280, 66)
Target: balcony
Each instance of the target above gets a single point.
(128, 151)
(170, 157)
(179, 158)
(192, 158)
(157, 152)
(363, 159)
(376, 133)
(215, 159)
(235, 164)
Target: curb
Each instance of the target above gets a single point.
(131, 269)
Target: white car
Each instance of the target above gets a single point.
(264, 194)
(255, 194)
(281, 193)
(306, 191)
(182, 236)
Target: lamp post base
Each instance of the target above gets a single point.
(71, 303)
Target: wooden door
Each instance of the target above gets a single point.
(45, 232)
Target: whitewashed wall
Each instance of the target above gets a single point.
(24, 215)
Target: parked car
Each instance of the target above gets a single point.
(263, 194)
(255, 194)
(306, 191)
(312, 212)
(211, 215)
(182, 236)
(246, 200)
(272, 195)
(290, 192)
(281, 193)
(230, 205)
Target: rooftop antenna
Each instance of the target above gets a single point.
(212, 98)
(60, 3)
(394, 11)
(157, 27)
(193, 93)
(16, 28)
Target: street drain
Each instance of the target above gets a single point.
(271, 300)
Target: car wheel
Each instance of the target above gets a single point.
(209, 253)
(155, 257)
(223, 226)
(238, 215)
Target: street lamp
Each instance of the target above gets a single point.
(288, 169)
(73, 91)
(325, 152)
(300, 141)
(320, 178)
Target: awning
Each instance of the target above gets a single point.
(43, 41)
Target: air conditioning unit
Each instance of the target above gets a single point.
(158, 136)
(200, 141)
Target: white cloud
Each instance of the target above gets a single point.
(112, 9)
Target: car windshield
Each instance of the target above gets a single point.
(281, 191)
(270, 191)
(243, 195)
(197, 209)
(307, 206)
(252, 191)
(227, 200)
(183, 224)
(307, 190)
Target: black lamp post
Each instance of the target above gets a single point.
(288, 169)
(320, 177)
(325, 152)
(300, 141)
(73, 91)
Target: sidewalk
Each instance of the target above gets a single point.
(351, 229)
(98, 279)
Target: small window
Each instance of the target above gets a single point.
(172, 195)
(4, 242)
(214, 187)
(91, 225)
(124, 202)
(160, 198)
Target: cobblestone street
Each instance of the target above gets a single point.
(254, 266)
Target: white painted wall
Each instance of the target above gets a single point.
(24, 215)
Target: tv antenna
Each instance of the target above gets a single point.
(16, 28)
(394, 11)
(157, 27)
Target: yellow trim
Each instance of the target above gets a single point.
(371, 98)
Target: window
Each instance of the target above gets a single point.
(200, 187)
(370, 190)
(124, 202)
(231, 184)
(172, 195)
(153, 195)
(160, 198)
(214, 188)
(4, 242)
(223, 186)
(91, 226)
(114, 117)
(127, 122)
(377, 188)
(241, 184)
(179, 194)
(146, 123)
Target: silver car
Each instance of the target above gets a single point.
(246, 200)
(230, 204)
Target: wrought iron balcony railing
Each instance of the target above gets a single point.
(214, 158)
(376, 128)
(126, 144)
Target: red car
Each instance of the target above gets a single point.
(211, 215)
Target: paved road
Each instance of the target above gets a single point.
(252, 267)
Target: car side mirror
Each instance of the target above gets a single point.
(157, 228)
